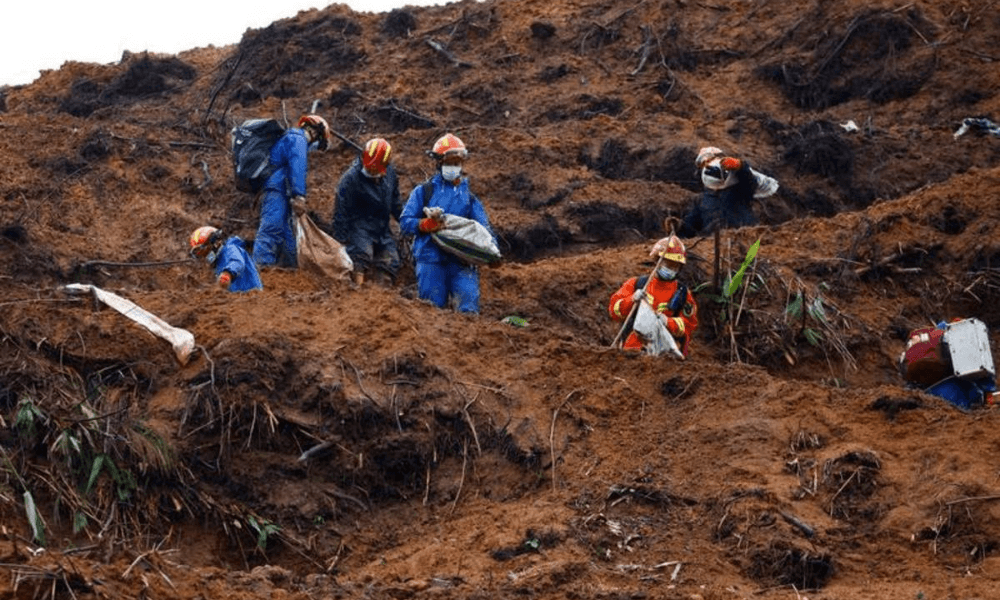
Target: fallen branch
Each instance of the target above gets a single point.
(208, 178)
(104, 263)
(315, 450)
(552, 435)
(972, 499)
(347, 140)
(472, 426)
(392, 106)
(345, 496)
(646, 49)
(798, 523)
(461, 482)
(225, 82)
(445, 53)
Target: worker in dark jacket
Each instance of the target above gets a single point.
(730, 188)
(367, 196)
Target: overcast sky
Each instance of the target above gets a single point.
(43, 34)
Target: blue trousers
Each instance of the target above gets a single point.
(275, 236)
(437, 281)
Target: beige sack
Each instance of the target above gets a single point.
(181, 339)
(320, 254)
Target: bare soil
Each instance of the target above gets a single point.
(455, 456)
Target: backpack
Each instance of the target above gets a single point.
(960, 349)
(251, 146)
(926, 359)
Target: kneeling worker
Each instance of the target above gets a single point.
(234, 268)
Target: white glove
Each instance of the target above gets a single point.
(298, 205)
(434, 212)
(638, 295)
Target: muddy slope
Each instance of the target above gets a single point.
(330, 441)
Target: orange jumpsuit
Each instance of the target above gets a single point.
(681, 323)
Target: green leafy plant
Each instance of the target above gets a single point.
(264, 529)
(79, 521)
(125, 482)
(734, 283)
(27, 415)
(34, 519)
(799, 309)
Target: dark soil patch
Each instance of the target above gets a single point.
(874, 56)
(399, 23)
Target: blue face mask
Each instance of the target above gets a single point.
(666, 273)
(313, 146)
(211, 257)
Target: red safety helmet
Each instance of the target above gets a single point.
(320, 126)
(203, 240)
(449, 144)
(376, 156)
(674, 250)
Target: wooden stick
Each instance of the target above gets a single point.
(441, 50)
(461, 482)
(972, 499)
(801, 525)
(105, 263)
(347, 140)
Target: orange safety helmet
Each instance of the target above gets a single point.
(204, 240)
(320, 126)
(376, 156)
(674, 250)
(448, 144)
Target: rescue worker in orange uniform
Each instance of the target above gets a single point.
(669, 298)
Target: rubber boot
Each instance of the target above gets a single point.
(383, 278)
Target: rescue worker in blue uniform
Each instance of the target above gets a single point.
(367, 197)
(234, 269)
(285, 191)
(440, 275)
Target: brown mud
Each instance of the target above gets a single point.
(342, 442)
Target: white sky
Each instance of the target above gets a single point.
(43, 34)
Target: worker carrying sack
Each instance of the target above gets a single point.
(465, 238)
(251, 143)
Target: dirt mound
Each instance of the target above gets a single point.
(340, 441)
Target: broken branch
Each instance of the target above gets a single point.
(445, 53)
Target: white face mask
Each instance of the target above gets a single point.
(451, 172)
(370, 175)
(313, 146)
(666, 273)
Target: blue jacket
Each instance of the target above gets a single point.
(454, 200)
(366, 204)
(288, 156)
(233, 257)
